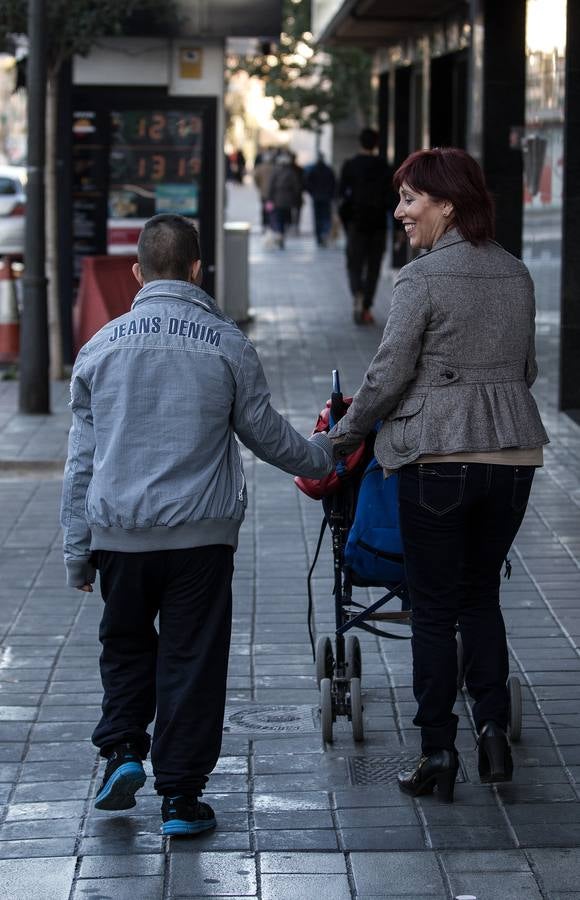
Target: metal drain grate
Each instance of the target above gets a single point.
(268, 719)
(365, 770)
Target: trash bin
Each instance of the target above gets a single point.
(236, 271)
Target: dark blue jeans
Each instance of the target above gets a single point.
(458, 522)
(322, 218)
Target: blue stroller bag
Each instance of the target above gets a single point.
(374, 551)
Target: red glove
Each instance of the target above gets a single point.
(317, 488)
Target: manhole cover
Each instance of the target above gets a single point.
(363, 770)
(271, 719)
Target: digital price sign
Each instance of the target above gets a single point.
(136, 153)
(155, 165)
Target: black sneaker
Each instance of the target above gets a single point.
(186, 815)
(124, 775)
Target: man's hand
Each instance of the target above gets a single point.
(87, 588)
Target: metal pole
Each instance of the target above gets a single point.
(34, 359)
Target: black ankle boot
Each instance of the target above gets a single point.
(494, 755)
(437, 769)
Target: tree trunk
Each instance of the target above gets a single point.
(54, 323)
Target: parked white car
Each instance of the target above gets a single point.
(12, 209)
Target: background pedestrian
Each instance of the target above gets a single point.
(320, 182)
(366, 194)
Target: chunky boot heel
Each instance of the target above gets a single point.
(495, 762)
(438, 770)
(446, 785)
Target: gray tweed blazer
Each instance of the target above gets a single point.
(456, 360)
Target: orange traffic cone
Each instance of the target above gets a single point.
(9, 323)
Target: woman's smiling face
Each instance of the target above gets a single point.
(425, 218)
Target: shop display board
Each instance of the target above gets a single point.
(137, 153)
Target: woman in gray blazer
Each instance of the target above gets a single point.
(451, 381)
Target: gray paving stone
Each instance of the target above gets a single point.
(54, 810)
(212, 874)
(549, 835)
(302, 863)
(539, 814)
(119, 888)
(307, 887)
(57, 790)
(400, 838)
(302, 839)
(310, 818)
(119, 866)
(377, 817)
(116, 845)
(112, 826)
(212, 840)
(497, 886)
(386, 874)
(66, 770)
(40, 847)
(485, 861)
(296, 800)
(42, 828)
(48, 878)
(476, 837)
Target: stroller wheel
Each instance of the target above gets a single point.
(353, 657)
(515, 719)
(356, 710)
(460, 664)
(324, 659)
(326, 716)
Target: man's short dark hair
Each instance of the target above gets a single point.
(369, 139)
(167, 246)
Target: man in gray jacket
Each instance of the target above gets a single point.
(153, 497)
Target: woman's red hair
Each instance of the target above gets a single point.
(447, 173)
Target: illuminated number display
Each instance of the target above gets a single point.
(155, 163)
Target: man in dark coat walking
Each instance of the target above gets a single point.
(366, 194)
(321, 185)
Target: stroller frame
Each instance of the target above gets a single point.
(339, 674)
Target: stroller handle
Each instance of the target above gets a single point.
(337, 411)
(337, 408)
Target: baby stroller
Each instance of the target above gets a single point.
(361, 511)
(374, 562)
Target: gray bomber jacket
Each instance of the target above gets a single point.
(157, 397)
(456, 360)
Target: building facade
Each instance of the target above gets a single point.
(494, 78)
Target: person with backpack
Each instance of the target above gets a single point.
(320, 182)
(154, 495)
(365, 193)
(451, 384)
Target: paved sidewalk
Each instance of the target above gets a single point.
(292, 820)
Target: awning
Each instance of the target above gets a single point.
(373, 23)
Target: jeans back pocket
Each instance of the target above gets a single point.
(441, 486)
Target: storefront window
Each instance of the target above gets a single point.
(543, 150)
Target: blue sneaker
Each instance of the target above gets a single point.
(185, 815)
(124, 775)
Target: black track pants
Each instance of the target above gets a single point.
(179, 675)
